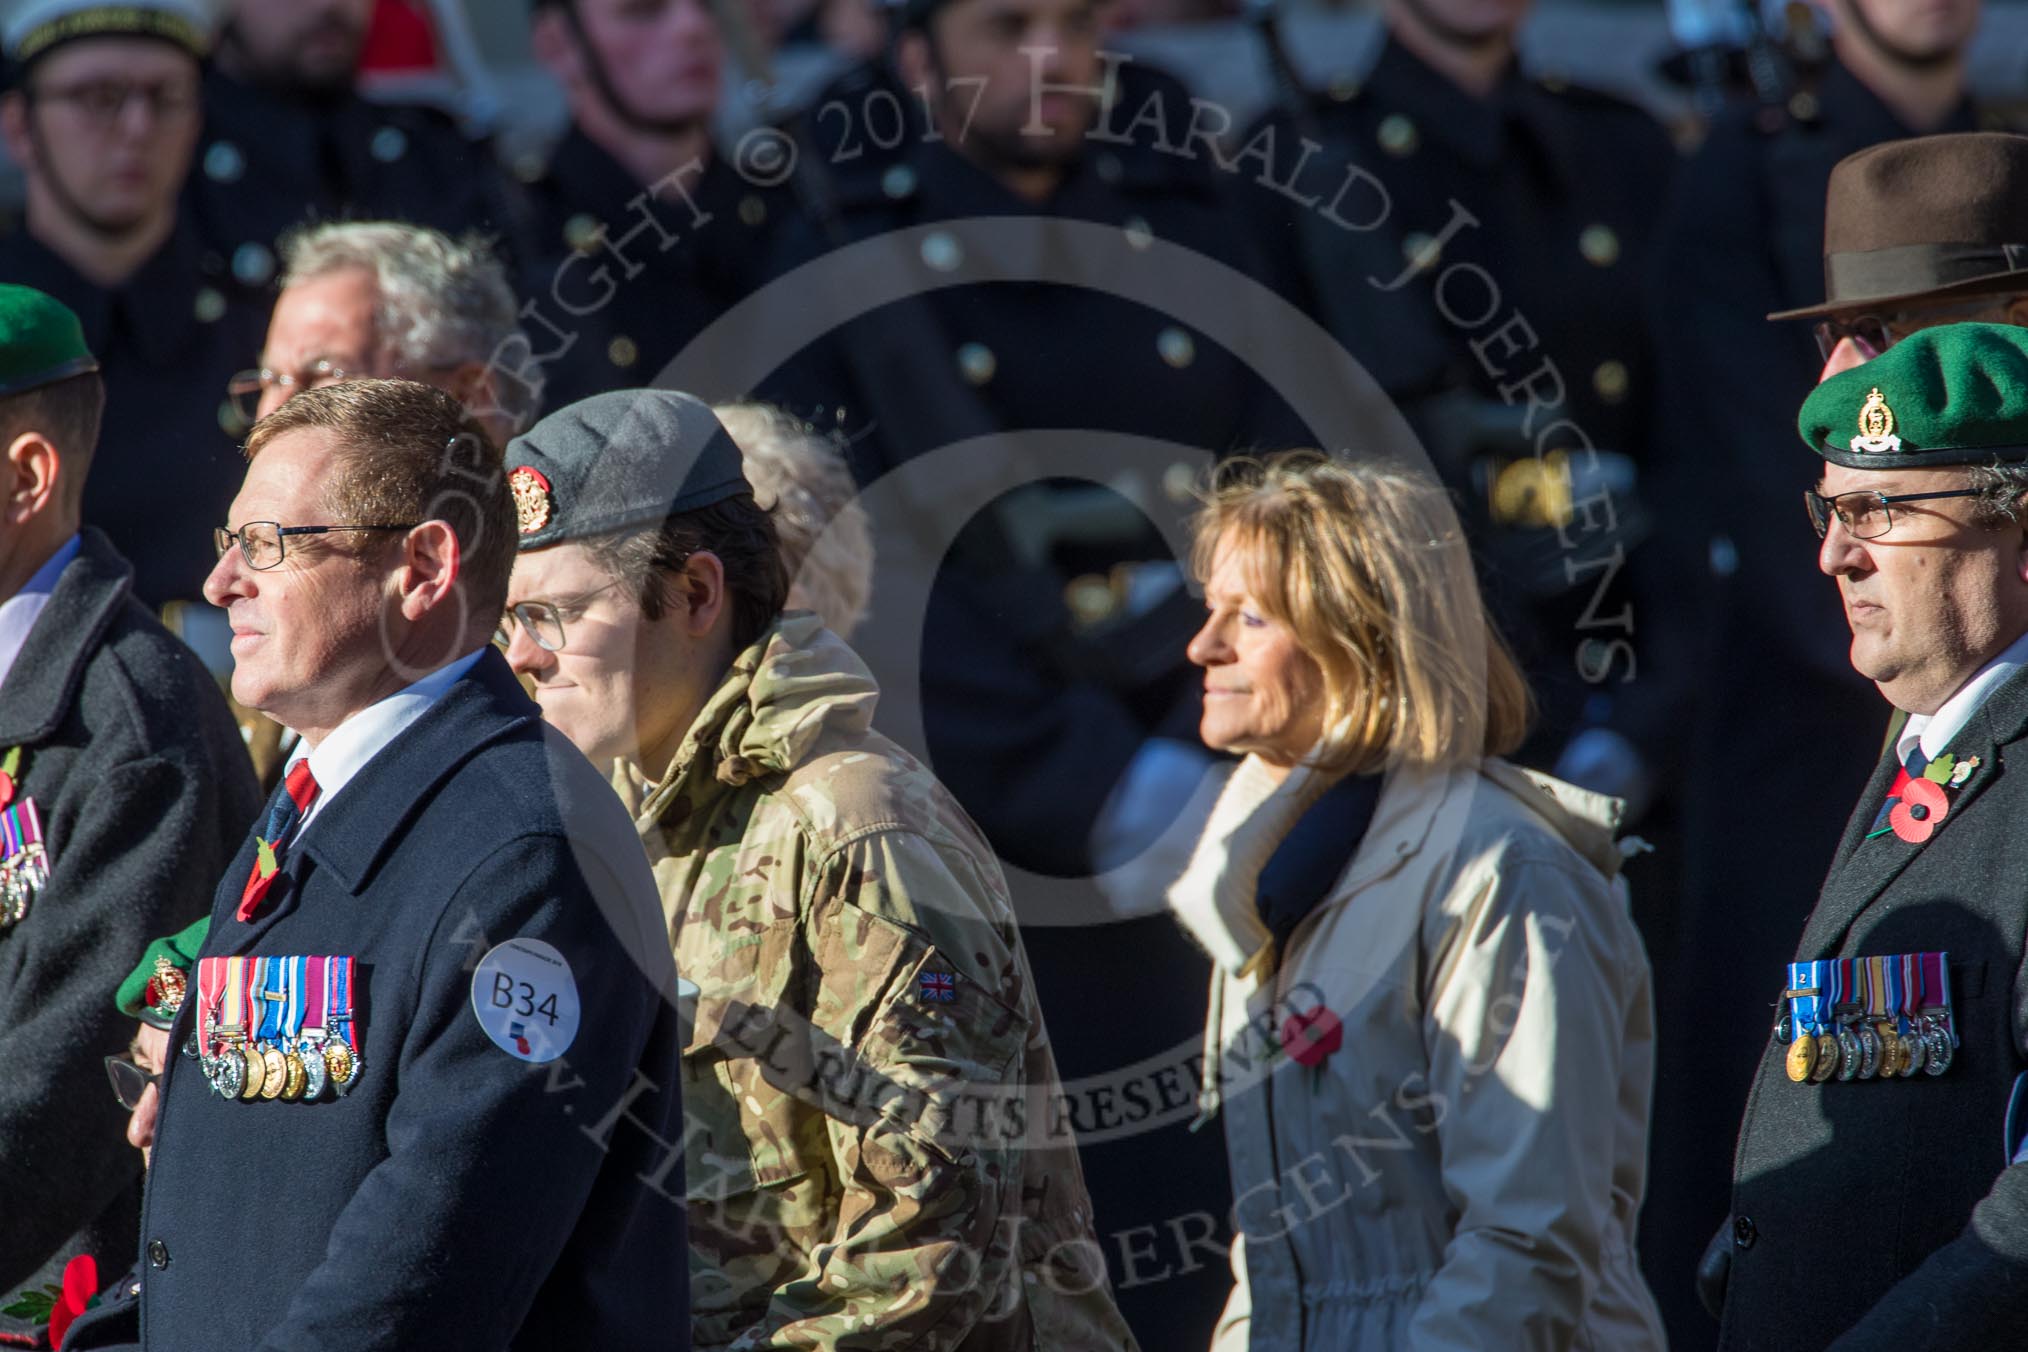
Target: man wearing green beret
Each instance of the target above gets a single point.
(1880, 1193)
(124, 789)
(875, 1153)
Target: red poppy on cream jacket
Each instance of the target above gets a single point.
(1436, 1100)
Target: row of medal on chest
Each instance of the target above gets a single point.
(276, 1028)
(1886, 1017)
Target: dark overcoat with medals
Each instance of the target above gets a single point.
(455, 1194)
(143, 789)
(1883, 1214)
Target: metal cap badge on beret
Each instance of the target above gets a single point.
(154, 991)
(1956, 394)
(617, 461)
(1925, 218)
(34, 28)
(41, 341)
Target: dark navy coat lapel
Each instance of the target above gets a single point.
(1864, 868)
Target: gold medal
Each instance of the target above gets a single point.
(1802, 1057)
(292, 1084)
(256, 1071)
(1913, 1052)
(338, 1061)
(274, 1074)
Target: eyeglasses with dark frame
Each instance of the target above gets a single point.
(1875, 333)
(1866, 514)
(130, 1082)
(260, 542)
(543, 621)
(101, 102)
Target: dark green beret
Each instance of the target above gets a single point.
(619, 461)
(155, 989)
(41, 341)
(1956, 394)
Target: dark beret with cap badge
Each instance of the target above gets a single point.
(619, 461)
(1956, 394)
(41, 341)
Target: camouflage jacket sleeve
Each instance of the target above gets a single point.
(919, 1016)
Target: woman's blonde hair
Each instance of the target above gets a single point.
(1367, 566)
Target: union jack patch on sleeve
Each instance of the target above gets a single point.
(938, 988)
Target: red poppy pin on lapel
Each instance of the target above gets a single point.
(1310, 1037)
(1925, 801)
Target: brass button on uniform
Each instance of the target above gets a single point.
(977, 363)
(1090, 599)
(388, 144)
(1344, 88)
(1803, 106)
(1176, 346)
(898, 182)
(1398, 136)
(210, 305)
(581, 232)
(623, 351)
(1179, 481)
(1421, 250)
(224, 162)
(1610, 380)
(1599, 245)
(752, 210)
(1139, 233)
(253, 264)
(940, 250)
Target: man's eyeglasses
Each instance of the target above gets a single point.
(260, 542)
(543, 621)
(1873, 334)
(246, 388)
(1866, 515)
(101, 102)
(130, 1082)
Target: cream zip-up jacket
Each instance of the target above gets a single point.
(1436, 1100)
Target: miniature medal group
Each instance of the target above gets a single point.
(277, 1028)
(1868, 1018)
(24, 861)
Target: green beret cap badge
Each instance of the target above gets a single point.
(1876, 427)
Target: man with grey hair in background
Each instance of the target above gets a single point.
(386, 299)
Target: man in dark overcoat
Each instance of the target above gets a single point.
(123, 789)
(1879, 1199)
(423, 1090)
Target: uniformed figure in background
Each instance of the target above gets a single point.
(102, 115)
(1456, 234)
(868, 1078)
(123, 792)
(639, 233)
(434, 1010)
(288, 139)
(1898, 1033)
(1050, 694)
(1765, 663)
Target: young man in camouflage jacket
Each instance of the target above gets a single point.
(874, 1149)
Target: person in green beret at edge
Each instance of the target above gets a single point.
(1880, 1193)
(124, 791)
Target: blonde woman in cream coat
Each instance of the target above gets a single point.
(1430, 1036)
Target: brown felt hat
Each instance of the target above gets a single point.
(1929, 218)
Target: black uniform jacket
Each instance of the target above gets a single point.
(456, 1196)
(168, 341)
(144, 789)
(1886, 1211)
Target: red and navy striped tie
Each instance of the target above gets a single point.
(299, 790)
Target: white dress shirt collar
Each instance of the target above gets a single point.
(340, 757)
(19, 612)
(1935, 731)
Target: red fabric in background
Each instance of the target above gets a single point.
(400, 38)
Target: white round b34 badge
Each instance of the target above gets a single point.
(526, 1000)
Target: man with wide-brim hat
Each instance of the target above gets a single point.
(124, 789)
(1879, 1194)
(1931, 230)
